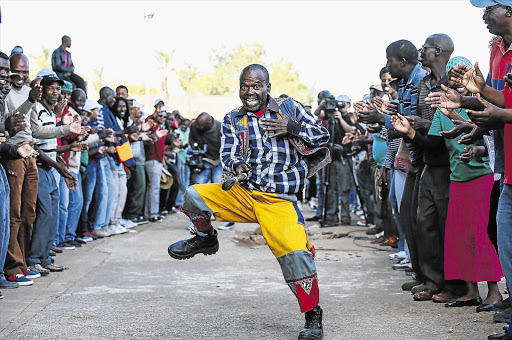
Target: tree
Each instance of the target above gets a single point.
(38, 62)
(97, 82)
(223, 78)
(286, 80)
(164, 59)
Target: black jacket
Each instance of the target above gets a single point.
(59, 61)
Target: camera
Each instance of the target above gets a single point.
(195, 158)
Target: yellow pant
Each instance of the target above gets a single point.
(281, 222)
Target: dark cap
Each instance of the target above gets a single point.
(50, 79)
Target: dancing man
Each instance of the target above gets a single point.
(265, 144)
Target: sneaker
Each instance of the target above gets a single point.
(140, 220)
(92, 235)
(74, 243)
(186, 249)
(52, 253)
(118, 229)
(56, 249)
(157, 218)
(38, 268)
(226, 225)
(128, 224)
(66, 246)
(4, 284)
(80, 240)
(103, 233)
(20, 279)
(163, 212)
(88, 238)
(403, 265)
(397, 256)
(374, 231)
(29, 274)
(381, 234)
(55, 268)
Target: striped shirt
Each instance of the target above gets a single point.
(407, 105)
(276, 166)
(46, 118)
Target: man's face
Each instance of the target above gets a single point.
(428, 52)
(79, 102)
(121, 109)
(394, 66)
(94, 113)
(68, 43)
(135, 113)
(160, 117)
(4, 69)
(65, 95)
(20, 67)
(111, 98)
(121, 92)
(254, 90)
(495, 17)
(385, 81)
(184, 125)
(4, 89)
(51, 93)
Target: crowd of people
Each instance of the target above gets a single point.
(424, 161)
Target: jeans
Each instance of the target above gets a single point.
(113, 189)
(94, 185)
(63, 211)
(76, 202)
(210, 173)
(504, 221)
(320, 191)
(395, 197)
(47, 212)
(4, 218)
(154, 172)
(339, 172)
(119, 179)
(184, 174)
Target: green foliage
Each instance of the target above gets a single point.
(286, 80)
(38, 62)
(223, 78)
(164, 60)
(97, 82)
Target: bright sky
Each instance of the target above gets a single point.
(335, 45)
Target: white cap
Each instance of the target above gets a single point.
(129, 98)
(158, 100)
(91, 105)
(45, 72)
(137, 104)
(164, 109)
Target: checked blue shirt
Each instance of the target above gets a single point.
(276, 166)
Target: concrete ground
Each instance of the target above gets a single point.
(127, 287)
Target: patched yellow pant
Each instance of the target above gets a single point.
(281, 222)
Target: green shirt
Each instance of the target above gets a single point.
(460, 171)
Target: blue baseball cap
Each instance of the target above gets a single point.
(489, 3)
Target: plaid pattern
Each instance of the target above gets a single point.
(276, 166)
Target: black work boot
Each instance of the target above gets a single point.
(186, 249)
(313, 327)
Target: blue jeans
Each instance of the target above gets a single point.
(75, 203)
(113, 188)
(154, 173)
(4, 218)
(63, 211)
(320, 190)
(394, 205)
(94, 185)
(184, 173)
(47, 217)
(504, 222)
(210, 173)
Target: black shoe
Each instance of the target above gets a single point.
(74, 243)
(473, 302)
(157, 218)
(313, 327)
(407, 286)
(503, 336)
(52, 253)
(329, 224)
(485, 308)
(186, 249)
(502, 304)
(503, 316)
(314, 218)
(374, 231)
(56, 249)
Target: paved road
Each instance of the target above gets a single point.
(127, 287)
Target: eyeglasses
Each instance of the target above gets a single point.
(424, 47)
